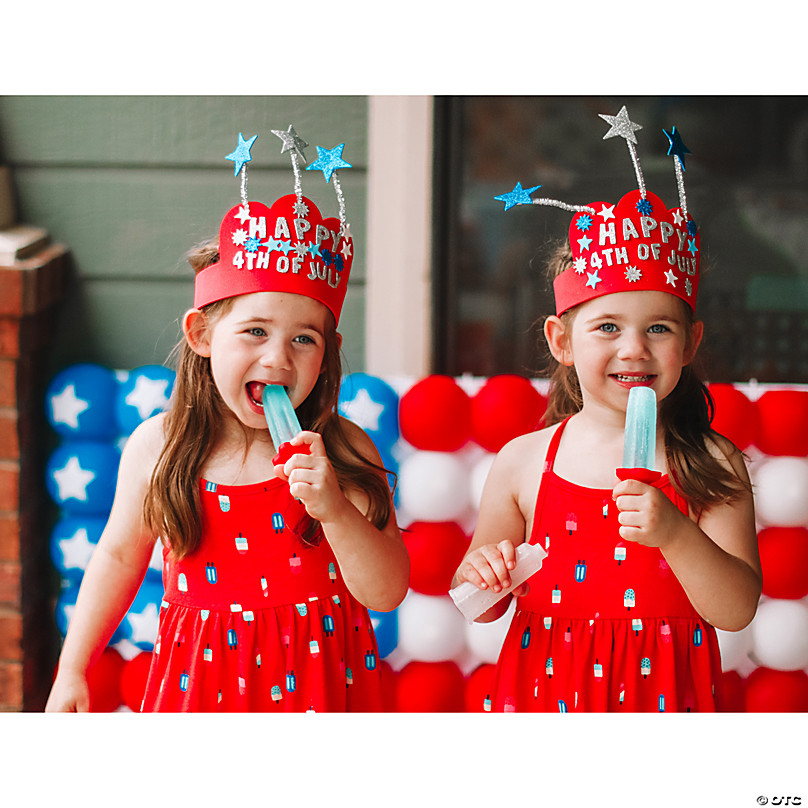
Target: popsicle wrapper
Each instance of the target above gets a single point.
(639, 447)
(472, 601)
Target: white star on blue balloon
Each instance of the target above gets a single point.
(328, 161)
(242, 153)
(518, 196)
(677, 148)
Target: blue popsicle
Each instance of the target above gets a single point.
(639, 446)
(281, 420)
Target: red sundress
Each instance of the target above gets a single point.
(606, 625)
(258, 621)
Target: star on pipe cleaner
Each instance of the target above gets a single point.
(518, 196)
(328, 161)
(645, 207)
(242, 153)
(621, 126)
(677, 148)
(291, 141)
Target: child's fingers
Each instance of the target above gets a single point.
(508, 553)
(496, 563)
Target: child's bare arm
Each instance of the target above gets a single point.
(716, 560)
(112, 578)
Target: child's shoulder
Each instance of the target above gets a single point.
(145, 444)
(525, 451)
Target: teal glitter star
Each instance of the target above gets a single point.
(242, 153)
(518, 196)
(328, 161)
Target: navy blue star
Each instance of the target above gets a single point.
(677, 148)
(691, 227)
(242, 153)
(518, 196)
(645, 207)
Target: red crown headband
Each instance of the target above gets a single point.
(635, 244)
(285, 247)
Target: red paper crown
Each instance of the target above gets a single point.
(288, 247)
(637, 244)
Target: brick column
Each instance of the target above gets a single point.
(29, 291)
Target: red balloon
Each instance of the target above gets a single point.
(436, 550)
(784, 561)
(735, 416)
(732, 685)
(104, 682)
(389, 686)
(435, 415)
(430, 687)
(479, 687)
(505, 407)
(133, 680)
(770, 691)
(783, 415)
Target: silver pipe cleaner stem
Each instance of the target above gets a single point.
(341, 200)
(637, 170)
(557, 204)
(244, 188)
(298, 186)
(680, 183)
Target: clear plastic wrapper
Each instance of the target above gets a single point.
(473, 601)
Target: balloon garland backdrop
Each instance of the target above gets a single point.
(437, 437)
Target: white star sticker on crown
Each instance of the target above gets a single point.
(592, 279)
(607, 212)
(77, 549)
(671, 278)
(148, 395)
(239, 236)
(580, 265)
(584, 242)
(301, 209)
(67, 406)
(243, 214)
(363, 410)
(346, 248)
(677, 217)
(72, 480)
(633, 274)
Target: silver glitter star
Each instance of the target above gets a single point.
(621, 126)
(291, 141)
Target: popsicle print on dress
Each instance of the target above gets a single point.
(241, 544)
(629, 599)
(571, 524)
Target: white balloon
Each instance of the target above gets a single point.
(735, 647)
(433, 487)
(479, 474)
(430, 628)
(780, 635)
(781, 492)
(484, 640)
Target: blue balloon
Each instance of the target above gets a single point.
(372, 404)
(80, 477)
(72, 542)
(385, 626)
(80, 402)
(139, 625)
(145, 392)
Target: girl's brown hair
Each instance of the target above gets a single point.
(172, 507)
(685, 416)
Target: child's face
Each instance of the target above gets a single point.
(628, 339)
(264, 338)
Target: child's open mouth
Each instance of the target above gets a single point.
(632, 379)
(255, 390)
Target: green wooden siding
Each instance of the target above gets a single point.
(130, 183)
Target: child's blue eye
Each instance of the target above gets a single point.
(608, 328)
(658, 328)
(305, 339)
(257, 332)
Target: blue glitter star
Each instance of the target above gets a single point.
(252, 244)
(328, 161)
(677, 148)
(314, 249)
(645, 207)
(691, 227)
(691, 246)
(518, 196)
(583, 222)
(242, 153)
